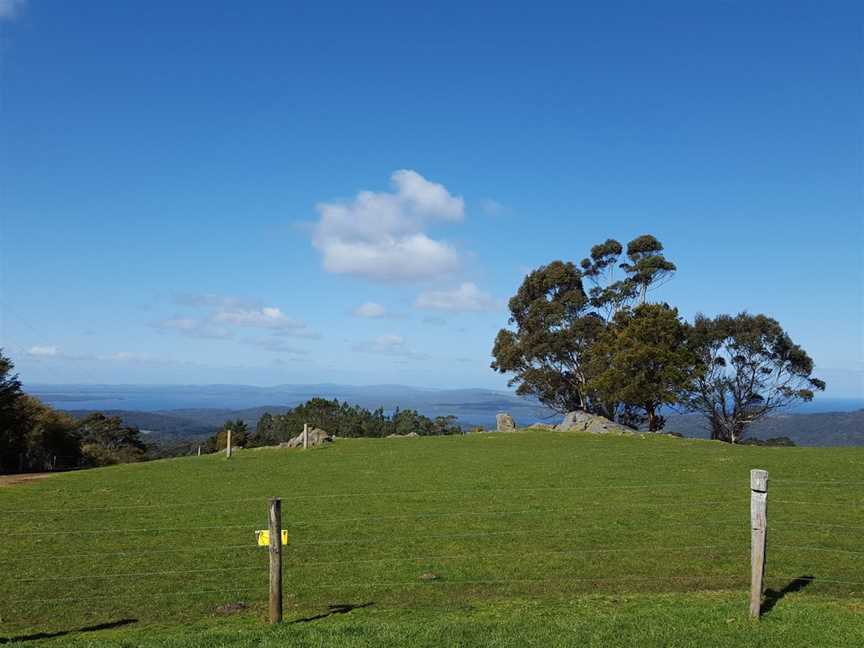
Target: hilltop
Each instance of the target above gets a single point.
(529, 538)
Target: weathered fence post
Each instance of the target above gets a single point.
(758, 537)
(275, 530)
(199, 450)
(228, 445)
(305, 435)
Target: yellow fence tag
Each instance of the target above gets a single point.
(264, 537)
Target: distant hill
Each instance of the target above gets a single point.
(820, 429)
(184, 423)
(196, 411)
(171, 397)
(210, 405)
(163, 423)
(817, 429)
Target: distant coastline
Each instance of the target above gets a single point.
(180, 411)
(168, 397)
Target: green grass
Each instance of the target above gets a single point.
(535, 538)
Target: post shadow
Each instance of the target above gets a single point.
(62, 633)
(772, 597)
(336, 608)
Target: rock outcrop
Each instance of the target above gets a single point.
(317, 437)
(504, 422)
(541, 426)
(584, 422)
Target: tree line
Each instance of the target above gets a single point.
(35, 437)
(588, 338)
(337, 418)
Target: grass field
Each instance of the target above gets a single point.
(531, 538)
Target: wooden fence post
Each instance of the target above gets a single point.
(275, 524)
(758, 537)
(305, 435)
(199, 450)
(228, 445)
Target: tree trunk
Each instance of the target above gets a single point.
(652, 417)
(718, 430)
(737, 432)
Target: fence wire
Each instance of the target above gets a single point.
(419, 515)
(475, 492)
(297, 562)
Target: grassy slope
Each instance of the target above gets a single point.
(535, 538)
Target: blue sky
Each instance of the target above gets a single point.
(349, 192)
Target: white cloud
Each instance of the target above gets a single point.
(267, 318)
(214, 301)
(427, 198)
(302, 332)
(193, 327)
(51, 351)
(44, 351)
(275, 345)
(9, 9)
(409, 258)
(389, 345)
(467, 297)
(381, 236)
(184, 324)
(126, 356)
(53, 354)
(226, 313)
(369, 309)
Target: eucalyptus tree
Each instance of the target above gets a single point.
(643, 361)
(554, 328)
(747, 368)
(646, 268)
(555, 322)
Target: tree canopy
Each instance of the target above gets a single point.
(642, 361)
(239, 434)
(557, 323)
(555, 327)
(36, 437)
(345, 420)
(610, 351)
(747, 367)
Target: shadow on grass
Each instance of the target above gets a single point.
(337, 608)
(772, 597)
(62, 633)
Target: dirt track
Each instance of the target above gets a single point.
(11, 480)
